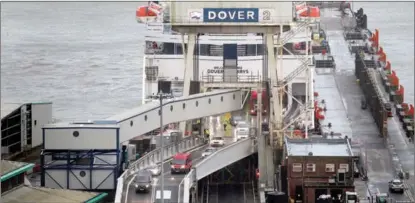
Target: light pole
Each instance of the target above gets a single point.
(161, 148)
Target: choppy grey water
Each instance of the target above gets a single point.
(86, 57)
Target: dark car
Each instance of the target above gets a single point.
(363, 103)
(143, 181)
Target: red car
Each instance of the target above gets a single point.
(181, 163)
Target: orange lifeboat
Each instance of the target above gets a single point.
(375, 38)
(318, 112)
(387, 66)
(411, 110)
(143, 14)
(308, 11)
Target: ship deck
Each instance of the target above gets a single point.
(336, 113)
(380, 165)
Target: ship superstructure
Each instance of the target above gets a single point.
(164, 61)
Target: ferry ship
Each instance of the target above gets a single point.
(163, 62)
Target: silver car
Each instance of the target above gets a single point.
(396, 185)
(208, 152)
(155, 169)
(235, 120)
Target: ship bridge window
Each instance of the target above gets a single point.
(179, 50)
(215, 50)
(251, 50)
(168, 48)
(153, 47)
(204, 50)
(260, 49)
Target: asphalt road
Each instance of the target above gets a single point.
(172, 181)
(380, 169)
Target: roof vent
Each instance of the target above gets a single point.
(310, 153)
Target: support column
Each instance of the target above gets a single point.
(188, 67)
(275, 117)
(262, 143)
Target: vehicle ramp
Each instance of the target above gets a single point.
(146, 118)
(216, 161)
(224, 157)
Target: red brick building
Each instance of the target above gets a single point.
(318, 166)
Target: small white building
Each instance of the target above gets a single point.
(81, 156)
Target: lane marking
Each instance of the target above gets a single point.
(128, 188)
(153, 190)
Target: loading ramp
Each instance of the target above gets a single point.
(146, 118)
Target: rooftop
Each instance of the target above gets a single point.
(336, 114)
(319, 147)
(23, 194)
(11, 168)
(7, 108)
(87, 124)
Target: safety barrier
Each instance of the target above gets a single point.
(153, 157)
(231, 153)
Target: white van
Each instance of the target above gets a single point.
(242, 131)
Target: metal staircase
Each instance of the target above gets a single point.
(301, 25)
(278, 140)
(295, 73)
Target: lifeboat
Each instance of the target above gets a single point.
(387, 66)
(375, 38)
(308, 12)
(144, 14)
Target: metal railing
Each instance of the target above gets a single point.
(231, 78)
(187, 20)
(304, 65)
(153, 157)
(192, 178)
(347, 182)
(301, 25)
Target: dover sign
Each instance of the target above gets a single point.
(219, 70)
(230, 15)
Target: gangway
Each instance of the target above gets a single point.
(218, 160)
(146, 118)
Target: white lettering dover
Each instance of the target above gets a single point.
(211, 15)
(231, 15)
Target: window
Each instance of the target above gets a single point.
(345, 167)
(311, 167)
(260, 49)
(297, 167)
(251, 49)
(330, 168)
(204, 50)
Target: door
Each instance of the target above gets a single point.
(230, 63)
(299, 193)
